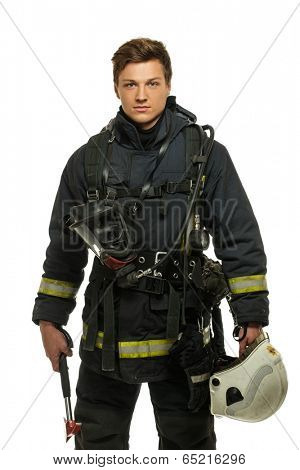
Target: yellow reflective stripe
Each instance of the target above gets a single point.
(136, 349)
(65, 289)
(148, 342)
(99, 341)
(243, 284)
(85, 328)
(141, 354)
(148, 348)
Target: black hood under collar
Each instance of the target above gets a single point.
(174, 118)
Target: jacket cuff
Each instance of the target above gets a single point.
(54, 309)
(250, 307)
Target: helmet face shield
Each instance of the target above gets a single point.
(102, 227)
(253, 388)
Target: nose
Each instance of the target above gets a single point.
(141, 95)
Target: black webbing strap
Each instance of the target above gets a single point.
(92, 322)
(171, 187)
(192, 147)
(97, 154)
(194, 142)
(150, 285)
(161, 154)
(108, 346)
(105, 168)
(136, 192)
(173, 316)
(218, 330)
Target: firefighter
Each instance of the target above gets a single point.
(131, 196)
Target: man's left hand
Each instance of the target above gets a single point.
(253, 330)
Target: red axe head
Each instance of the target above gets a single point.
(72, 428)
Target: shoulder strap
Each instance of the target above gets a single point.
(95, 163)
(197, 143)
(192, 146)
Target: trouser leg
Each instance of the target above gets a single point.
(104, 407)
(179, 428)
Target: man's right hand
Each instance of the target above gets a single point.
(54, 343)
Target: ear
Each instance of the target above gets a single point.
(116, 91)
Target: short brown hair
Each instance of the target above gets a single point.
(141, 50)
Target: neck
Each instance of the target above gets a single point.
(140, 126)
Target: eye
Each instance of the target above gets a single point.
(153, 84)
(128, 85)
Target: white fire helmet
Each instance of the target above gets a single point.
(253, 387)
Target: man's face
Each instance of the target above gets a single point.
(143, 91)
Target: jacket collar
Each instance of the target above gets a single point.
(174, 119)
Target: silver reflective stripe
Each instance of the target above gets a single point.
(145, 348)
(200, 378)
(58, 288)
(239, 285)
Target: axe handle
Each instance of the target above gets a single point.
(64, 376)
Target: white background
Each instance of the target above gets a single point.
(55, 91)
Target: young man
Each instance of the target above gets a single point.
(130, 328)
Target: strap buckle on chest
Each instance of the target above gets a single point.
(93, 194)
(158, 255)
(151, 285)
(111, 194)
(185, 186)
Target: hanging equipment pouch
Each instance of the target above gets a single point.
(193, 353)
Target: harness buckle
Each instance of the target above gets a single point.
(92, 194)
(157, 190)
(192, 185)
(171, 187)
(154, 285)
(157, 256)
(200, 327)
(110, 194)
(150, 285)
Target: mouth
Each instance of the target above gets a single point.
(141, 109)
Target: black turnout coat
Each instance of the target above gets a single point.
(141, 317)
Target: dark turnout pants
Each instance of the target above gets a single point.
(105, 407)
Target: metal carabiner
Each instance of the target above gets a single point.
(236, 332)
(200, 328)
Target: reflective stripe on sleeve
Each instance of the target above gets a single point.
(240, 285)
(65, 289)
